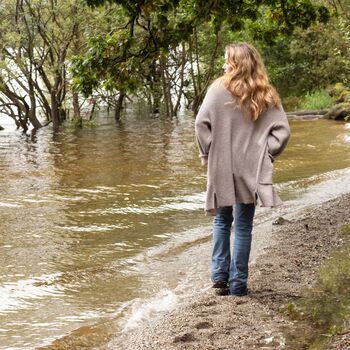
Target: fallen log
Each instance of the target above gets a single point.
(309, 112)
(340, 111)
(304, 117)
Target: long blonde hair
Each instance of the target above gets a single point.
(248, 80)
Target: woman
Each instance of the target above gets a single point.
(240, 128)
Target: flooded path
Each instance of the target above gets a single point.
(102, 227)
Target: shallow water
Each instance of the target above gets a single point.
(105, 226)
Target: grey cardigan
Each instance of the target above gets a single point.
(239, 152)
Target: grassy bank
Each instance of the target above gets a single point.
(323, 312)
(310, 101)
(318, 99)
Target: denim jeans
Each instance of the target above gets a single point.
(235, 270)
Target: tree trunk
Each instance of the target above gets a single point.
(32, 111)
(182, 76)
(119, 106)
(169, 109)
(92, 110)
(55, 113)
(202, 90)
(155, 95)
(76, 106)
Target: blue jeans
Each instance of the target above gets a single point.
(234, 271)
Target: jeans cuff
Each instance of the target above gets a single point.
(239, 290)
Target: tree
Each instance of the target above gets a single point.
(311, 59)
(37, 38)
(149, 32)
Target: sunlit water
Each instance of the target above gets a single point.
(101, 228)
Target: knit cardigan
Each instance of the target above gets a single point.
(239, 152)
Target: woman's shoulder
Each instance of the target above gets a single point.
(217, 91)
(276, 109)
(275, 113)
(217, 86)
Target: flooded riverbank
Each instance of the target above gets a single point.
(100, 225)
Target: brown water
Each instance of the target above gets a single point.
(100, 224)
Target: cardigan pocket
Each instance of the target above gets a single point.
(265, 191)
(265, 177)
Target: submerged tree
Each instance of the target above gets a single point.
(37, 38)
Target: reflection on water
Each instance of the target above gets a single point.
(88, 217)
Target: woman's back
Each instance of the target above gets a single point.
(240, 159)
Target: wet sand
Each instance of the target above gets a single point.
(279, 276)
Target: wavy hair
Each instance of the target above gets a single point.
(248, 81)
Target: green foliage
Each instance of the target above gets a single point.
(37, 40)
(339, 92)
(318, 99)
(121, 43)
(116, 60)
(291, 103)
(310, 59)
(291, 307)
(89, 70)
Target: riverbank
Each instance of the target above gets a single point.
(279, 278)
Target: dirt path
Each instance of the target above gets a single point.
(279, 276)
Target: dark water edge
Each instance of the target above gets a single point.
(323, 311)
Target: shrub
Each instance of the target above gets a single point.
(318, 99)
(339, 92)
(291, 103)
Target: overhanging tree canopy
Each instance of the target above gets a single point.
(145, 30)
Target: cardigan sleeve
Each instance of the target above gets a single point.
(203, 131)
(279, 135)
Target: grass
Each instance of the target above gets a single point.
(323, 312)
(316, 100)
